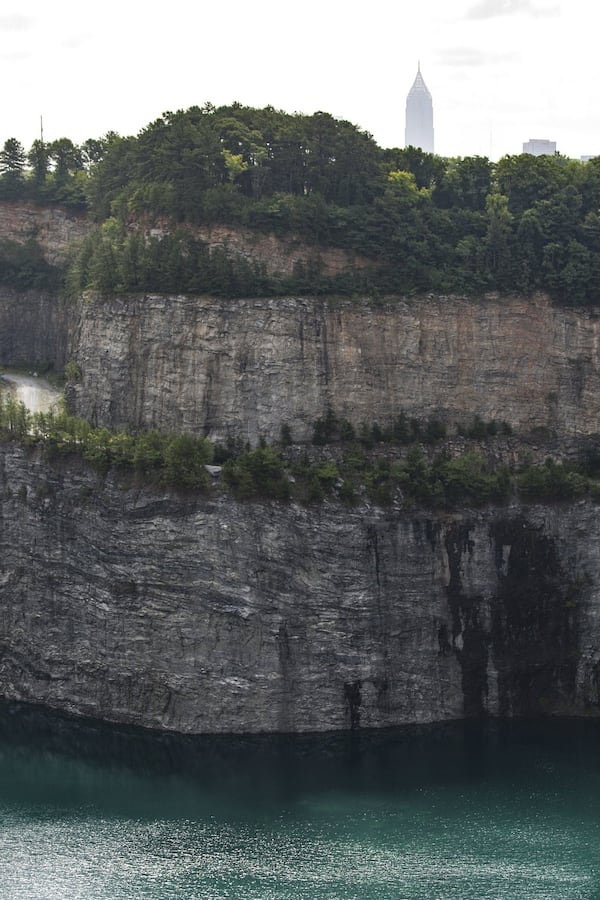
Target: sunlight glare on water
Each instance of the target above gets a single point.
(453, 811)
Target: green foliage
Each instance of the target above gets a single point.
(479, 430)
(111, 259)
(434, 431)
(426, 223)
(258, 473)
(22, 266)
(184, 460)
(466, 479)
(176, 460)
(72, 371)
(443, 483)
(331, 429)
(12, 157)
(38, 159)
(15, 418)
(12, 165)
(552, 481)
(326, 429)
(327, 474)
(179, 461)
(148, 453)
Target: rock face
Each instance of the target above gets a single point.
(55, 229)
(33, 329)
(204, 615)
(242, 368)
(280, 255)
(58, 230)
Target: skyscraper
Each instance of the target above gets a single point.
(419, 116)
(539, 147)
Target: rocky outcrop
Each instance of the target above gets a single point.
(205, 615)
(57, 230)
(280, 255)
(243, 367)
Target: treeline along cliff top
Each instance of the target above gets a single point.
(409, 221)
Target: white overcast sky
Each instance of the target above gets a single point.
(500, 71)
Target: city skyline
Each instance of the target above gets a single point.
(419, 123)
(500, 71)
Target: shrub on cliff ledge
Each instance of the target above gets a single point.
(185, 459)
(259, 473)
(552, 481)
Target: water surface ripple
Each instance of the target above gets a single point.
(459, 811)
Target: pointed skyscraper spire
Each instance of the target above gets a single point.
(419, 83)
(419, 115)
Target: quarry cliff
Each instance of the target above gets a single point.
(242, 368)
(198, 613)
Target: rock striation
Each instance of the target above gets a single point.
(242, 368)
(34, 327)
(199, 614)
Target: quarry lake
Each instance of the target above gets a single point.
(462, 810)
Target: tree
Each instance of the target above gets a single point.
(499, 237)
(12, 158)
(66, 157)
(185, 459)
(465, 183)
(234, 163)
(525, 179)
(38, 158)
(92, 151)
(12, 162)
(531, 237)
(427, 168)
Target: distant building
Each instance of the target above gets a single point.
(539, 147)
(419, 116)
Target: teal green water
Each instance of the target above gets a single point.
(501, 811)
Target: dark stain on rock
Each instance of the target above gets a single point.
(283, 645)
(444, 641)
(432, 532)
(373, 547)
(534, 621)
(579, 378)
(353, 698)
(123, 587)
(592, 693)
(469, 637)
(325, 352)
(382, 686)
